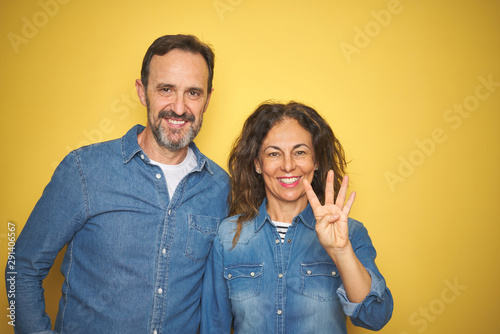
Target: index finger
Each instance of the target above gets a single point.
(311, 195)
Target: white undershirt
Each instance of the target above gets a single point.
(282, 228)
(175, 173)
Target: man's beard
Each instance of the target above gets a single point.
(162, 136)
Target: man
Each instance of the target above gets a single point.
(138, 214)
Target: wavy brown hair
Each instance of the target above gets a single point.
(247, 187)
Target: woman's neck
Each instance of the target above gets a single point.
(285, 211)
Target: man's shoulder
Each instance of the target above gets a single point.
(101, 149)
(210, 165)
(217, 170)
(112, 147)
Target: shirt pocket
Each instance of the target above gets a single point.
(202, 231)
(319, 280)
(243, 281)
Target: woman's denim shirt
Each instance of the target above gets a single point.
(135, 258)
(265, 286)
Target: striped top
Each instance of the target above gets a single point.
(282, 228)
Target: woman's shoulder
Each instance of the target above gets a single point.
(227, 228)
(227, 225)
(358, 234)
(355, 226)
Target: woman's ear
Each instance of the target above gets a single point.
(257, 166)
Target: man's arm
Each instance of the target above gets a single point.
(57, 216)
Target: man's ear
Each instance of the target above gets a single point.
(141, 91)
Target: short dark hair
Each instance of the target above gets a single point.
(247, 187)
(187, 43)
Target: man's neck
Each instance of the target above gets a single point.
(158, 153)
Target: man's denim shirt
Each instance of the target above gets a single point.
(135, 259)
(265, 286)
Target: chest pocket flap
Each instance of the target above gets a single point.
(320, 280)
(243, 281)
(319, 269)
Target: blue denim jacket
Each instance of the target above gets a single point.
(264, 286)
(135, 259)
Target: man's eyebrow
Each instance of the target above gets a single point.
(167, 85)
(164, 85)
(198, 89)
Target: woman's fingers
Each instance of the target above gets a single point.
(311, 195)
(329, 193)
(350, 202)
(342, 192)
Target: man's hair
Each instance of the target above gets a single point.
(187, 43)
(247, 187)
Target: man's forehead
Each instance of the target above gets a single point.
(179, 61)
(178, 55)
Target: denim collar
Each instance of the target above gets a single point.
(306, 217)
(130, 147)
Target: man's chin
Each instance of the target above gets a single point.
(174, 145)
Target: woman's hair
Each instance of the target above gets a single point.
(247, 187)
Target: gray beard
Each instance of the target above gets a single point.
(161, 136)
(163, 140)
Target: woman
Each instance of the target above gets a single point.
(288, 261)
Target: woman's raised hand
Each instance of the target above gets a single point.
(331, 218)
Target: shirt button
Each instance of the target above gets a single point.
(280, 312)
(289, 241)
(142, 156)
(164, 251)
(229, 276)
(160, 291)
(333, 273)
(155, 332)
(252, 274)
(309, 272)
(158, 176)
(280, 275)
(277, 241)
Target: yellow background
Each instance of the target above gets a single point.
(388, 75)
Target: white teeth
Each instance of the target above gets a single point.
(176, 122)
(289, 180)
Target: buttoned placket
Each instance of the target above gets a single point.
(283, 251)
(279, 299)
(159, 300)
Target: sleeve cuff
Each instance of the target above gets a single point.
(376, 291)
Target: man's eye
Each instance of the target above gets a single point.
(194, 93)
(273, 154)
